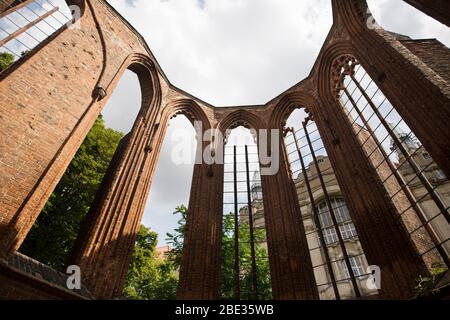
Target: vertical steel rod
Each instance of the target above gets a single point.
(441, 206)
(315, 215)
(402, 183)
(331, 211)
(250, 220)
(237, 286)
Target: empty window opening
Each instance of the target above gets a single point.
(153, 273)
(245, 262)
(57, 226)
(331, 235)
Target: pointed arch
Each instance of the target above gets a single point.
(241, 118)
(189, 108)
(288, 104)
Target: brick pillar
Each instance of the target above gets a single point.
(201, 260)
(438, 9)
(383, 237)
(290, 262)
(105, 244)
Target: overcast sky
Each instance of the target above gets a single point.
(232, 52)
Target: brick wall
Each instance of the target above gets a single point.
(433, 53)
(48, 94)
(24, 278)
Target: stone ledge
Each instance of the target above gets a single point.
(25, 278)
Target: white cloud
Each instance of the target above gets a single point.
(232, 52)
(400, 17)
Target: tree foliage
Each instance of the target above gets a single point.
(54, 232)
(150, 276)
(245, 261)
(6, 59)
(227, 269)
(176, 238)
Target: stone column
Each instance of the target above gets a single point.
(105, 244)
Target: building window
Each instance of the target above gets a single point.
(439, 174)
(343, 219)
(257, 192)
(426, 156)
(348, 230)
(324, 215)
(330, 235)
(357, 267)
(340, 210)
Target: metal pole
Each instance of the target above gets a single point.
(331, 211)
(250, 219)
(402, 183)
(315, 215)
(441, 206)
(237, 287)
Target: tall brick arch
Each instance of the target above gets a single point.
(290, 265)
(115, 217)
(82, 103)
(52, 96)
(71, 97)
(290, 102)
(398, 70)
(200, 264)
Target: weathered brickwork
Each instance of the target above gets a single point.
(432, 53)
(51, 97)
(24, 278)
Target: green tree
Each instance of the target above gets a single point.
(245, 261)
(176, 238)
(6, 59)
(52, 236)
(150, 277)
